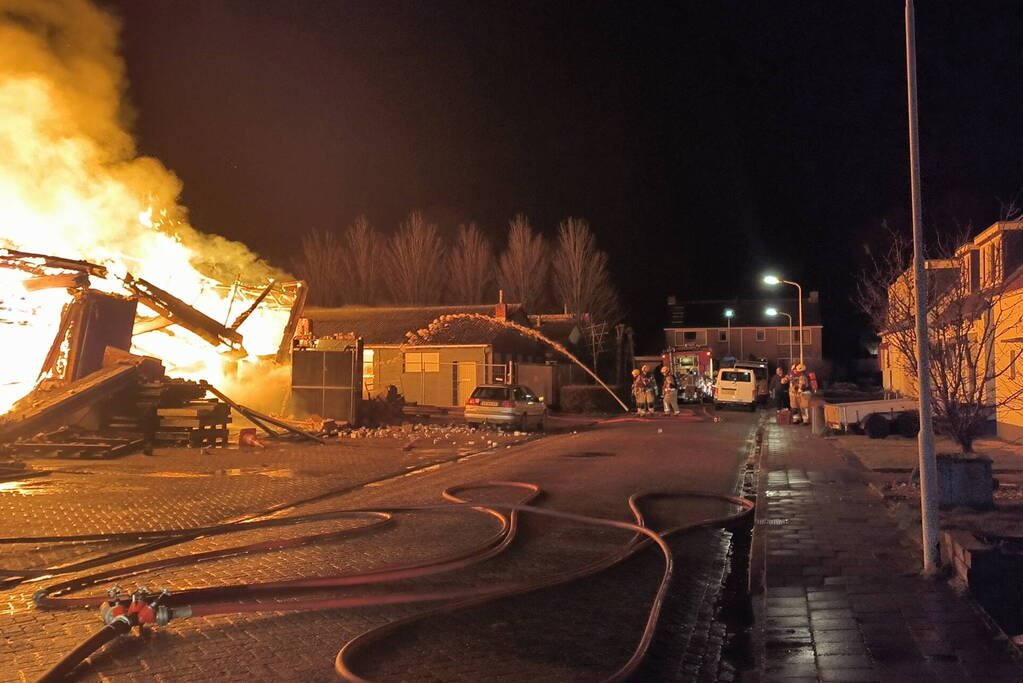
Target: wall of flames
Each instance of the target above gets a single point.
(72, 185)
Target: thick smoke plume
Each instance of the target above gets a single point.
(71, 182)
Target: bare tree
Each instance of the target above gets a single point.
(416, 254)
(362, 247)
(470, 266)
(581, 279)
(321, 264)
(524, 265)
(972, 318)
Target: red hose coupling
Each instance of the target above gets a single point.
(109, 611)
(143, 613)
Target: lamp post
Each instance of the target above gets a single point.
(772, 280)
(929, 521)
(729, 314)
(773, 312)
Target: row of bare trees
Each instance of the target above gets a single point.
(416, 266)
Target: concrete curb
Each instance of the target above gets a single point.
(758, 559)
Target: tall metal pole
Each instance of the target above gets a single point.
(925, 439)
(790, 337)
(729, 334)
(799, 291)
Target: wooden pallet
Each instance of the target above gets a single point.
(78, 446)
(196, 424)
(213, 436)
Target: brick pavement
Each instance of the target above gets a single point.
(558, 634)
(842, 597)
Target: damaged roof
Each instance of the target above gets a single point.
(390, 325)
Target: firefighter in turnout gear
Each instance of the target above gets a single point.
(643, 390)
(669, 391)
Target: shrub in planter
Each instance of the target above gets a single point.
(590, 398)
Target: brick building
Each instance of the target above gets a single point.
(750, 332)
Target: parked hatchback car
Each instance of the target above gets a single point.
(510, 405)
(736, 386)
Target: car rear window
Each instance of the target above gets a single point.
(491, 393)
(733, 376)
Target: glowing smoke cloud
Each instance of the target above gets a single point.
(72, 185)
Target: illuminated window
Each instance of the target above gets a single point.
(422, 362)
(367, 371)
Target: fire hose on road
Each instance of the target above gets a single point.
(143, 609)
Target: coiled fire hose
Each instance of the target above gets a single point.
(141, 609)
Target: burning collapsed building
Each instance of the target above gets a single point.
(96, 254)
(90, 380)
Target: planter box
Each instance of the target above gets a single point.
(992, 576)
(964, 481)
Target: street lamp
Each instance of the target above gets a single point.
(729, 314)
(772, 280)
(773, 312)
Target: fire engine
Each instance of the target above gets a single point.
(684, 361)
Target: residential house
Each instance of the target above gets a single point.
(978, 296)
(434, 355)
(749, 332)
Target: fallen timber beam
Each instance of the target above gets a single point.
(33, 263)
(260, 417)
(180, 313)
(248, 311)
(156, 322)
(61, 281)
(61, 406)
(284, 350)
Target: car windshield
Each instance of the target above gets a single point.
(491, 393)
(733, 376)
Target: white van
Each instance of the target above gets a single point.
(759, 368)
(736, 386)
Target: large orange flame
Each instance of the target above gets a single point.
(72, 185)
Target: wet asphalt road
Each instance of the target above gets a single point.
(579, 631)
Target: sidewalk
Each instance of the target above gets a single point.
(842, 599)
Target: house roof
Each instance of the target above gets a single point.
(748, 313)
(387, 325)
(564, 332)
(478, 329)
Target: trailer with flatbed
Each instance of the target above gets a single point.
(876, 419)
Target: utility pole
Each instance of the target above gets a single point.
(925, 439)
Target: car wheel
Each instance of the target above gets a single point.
(524, 423)
(753, 407)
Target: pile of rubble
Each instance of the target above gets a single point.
(433, 434)
(97, 399)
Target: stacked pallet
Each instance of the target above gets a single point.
(196, 423)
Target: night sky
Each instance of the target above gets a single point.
(706, 142)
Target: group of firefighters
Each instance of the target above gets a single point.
(645, 390)
(790, 391)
